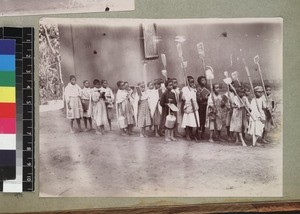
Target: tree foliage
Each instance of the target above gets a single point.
(50, 81)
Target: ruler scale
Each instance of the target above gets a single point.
(25, 105)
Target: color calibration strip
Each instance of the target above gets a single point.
(24, 38)
(7, 110)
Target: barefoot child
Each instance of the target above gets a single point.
(257, 123)
(131, 122)
(202, 97)
(236, 122)
(168, 97)
(74, 106)
(155, 107)
(271, 106)
(143, 116)
(228, 112)
(245, 99)
(214, 113)
(109, 101)
(178, 96)
(99, 109)
(86, 100)
(124, 109)
(190, 118)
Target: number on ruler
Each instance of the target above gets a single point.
(29, 164)
(28, 148)
(28, 71)
(29, 133)
(28, 178)
(28, 102)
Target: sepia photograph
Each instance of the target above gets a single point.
(35, 7)
(160, 107)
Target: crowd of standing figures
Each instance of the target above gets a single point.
(163, 107)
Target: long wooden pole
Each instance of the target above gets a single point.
(252, 89)
(264, 88)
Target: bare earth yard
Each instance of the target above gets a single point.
(86, 164)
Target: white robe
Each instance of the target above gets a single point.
(189, 117)
(256, 124)
(154, 101)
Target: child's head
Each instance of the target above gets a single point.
(142, 86)
(126, 85)
(268, 89)
(202, 81)
(169, 84)
(104, 83)
(175, 83)
(247, 91)
(216, 88)
(258, 90)
(191, 81)
(157, 84)
(240, 91)
(86, 83)
(96, 83)
(72, 79)
(120, 85)
(150, 85)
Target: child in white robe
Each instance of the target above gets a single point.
(74, 106)
(98, 107)
(109, 101)
(190, 117)
(257, 123)
(155, 107)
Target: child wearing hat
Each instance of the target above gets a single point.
(258, 119)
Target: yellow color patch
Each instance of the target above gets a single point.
(7, 94)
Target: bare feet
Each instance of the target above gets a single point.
(168, 139)
(173, 139)
(188, 138)
(72, 131)
(211, 140)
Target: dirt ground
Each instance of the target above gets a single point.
(85, 164)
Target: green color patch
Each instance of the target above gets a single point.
(7, 78)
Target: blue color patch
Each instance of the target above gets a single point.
(7, 63)
(7, 47)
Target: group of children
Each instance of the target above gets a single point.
(163, 107)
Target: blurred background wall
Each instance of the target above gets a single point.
(111, 52)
